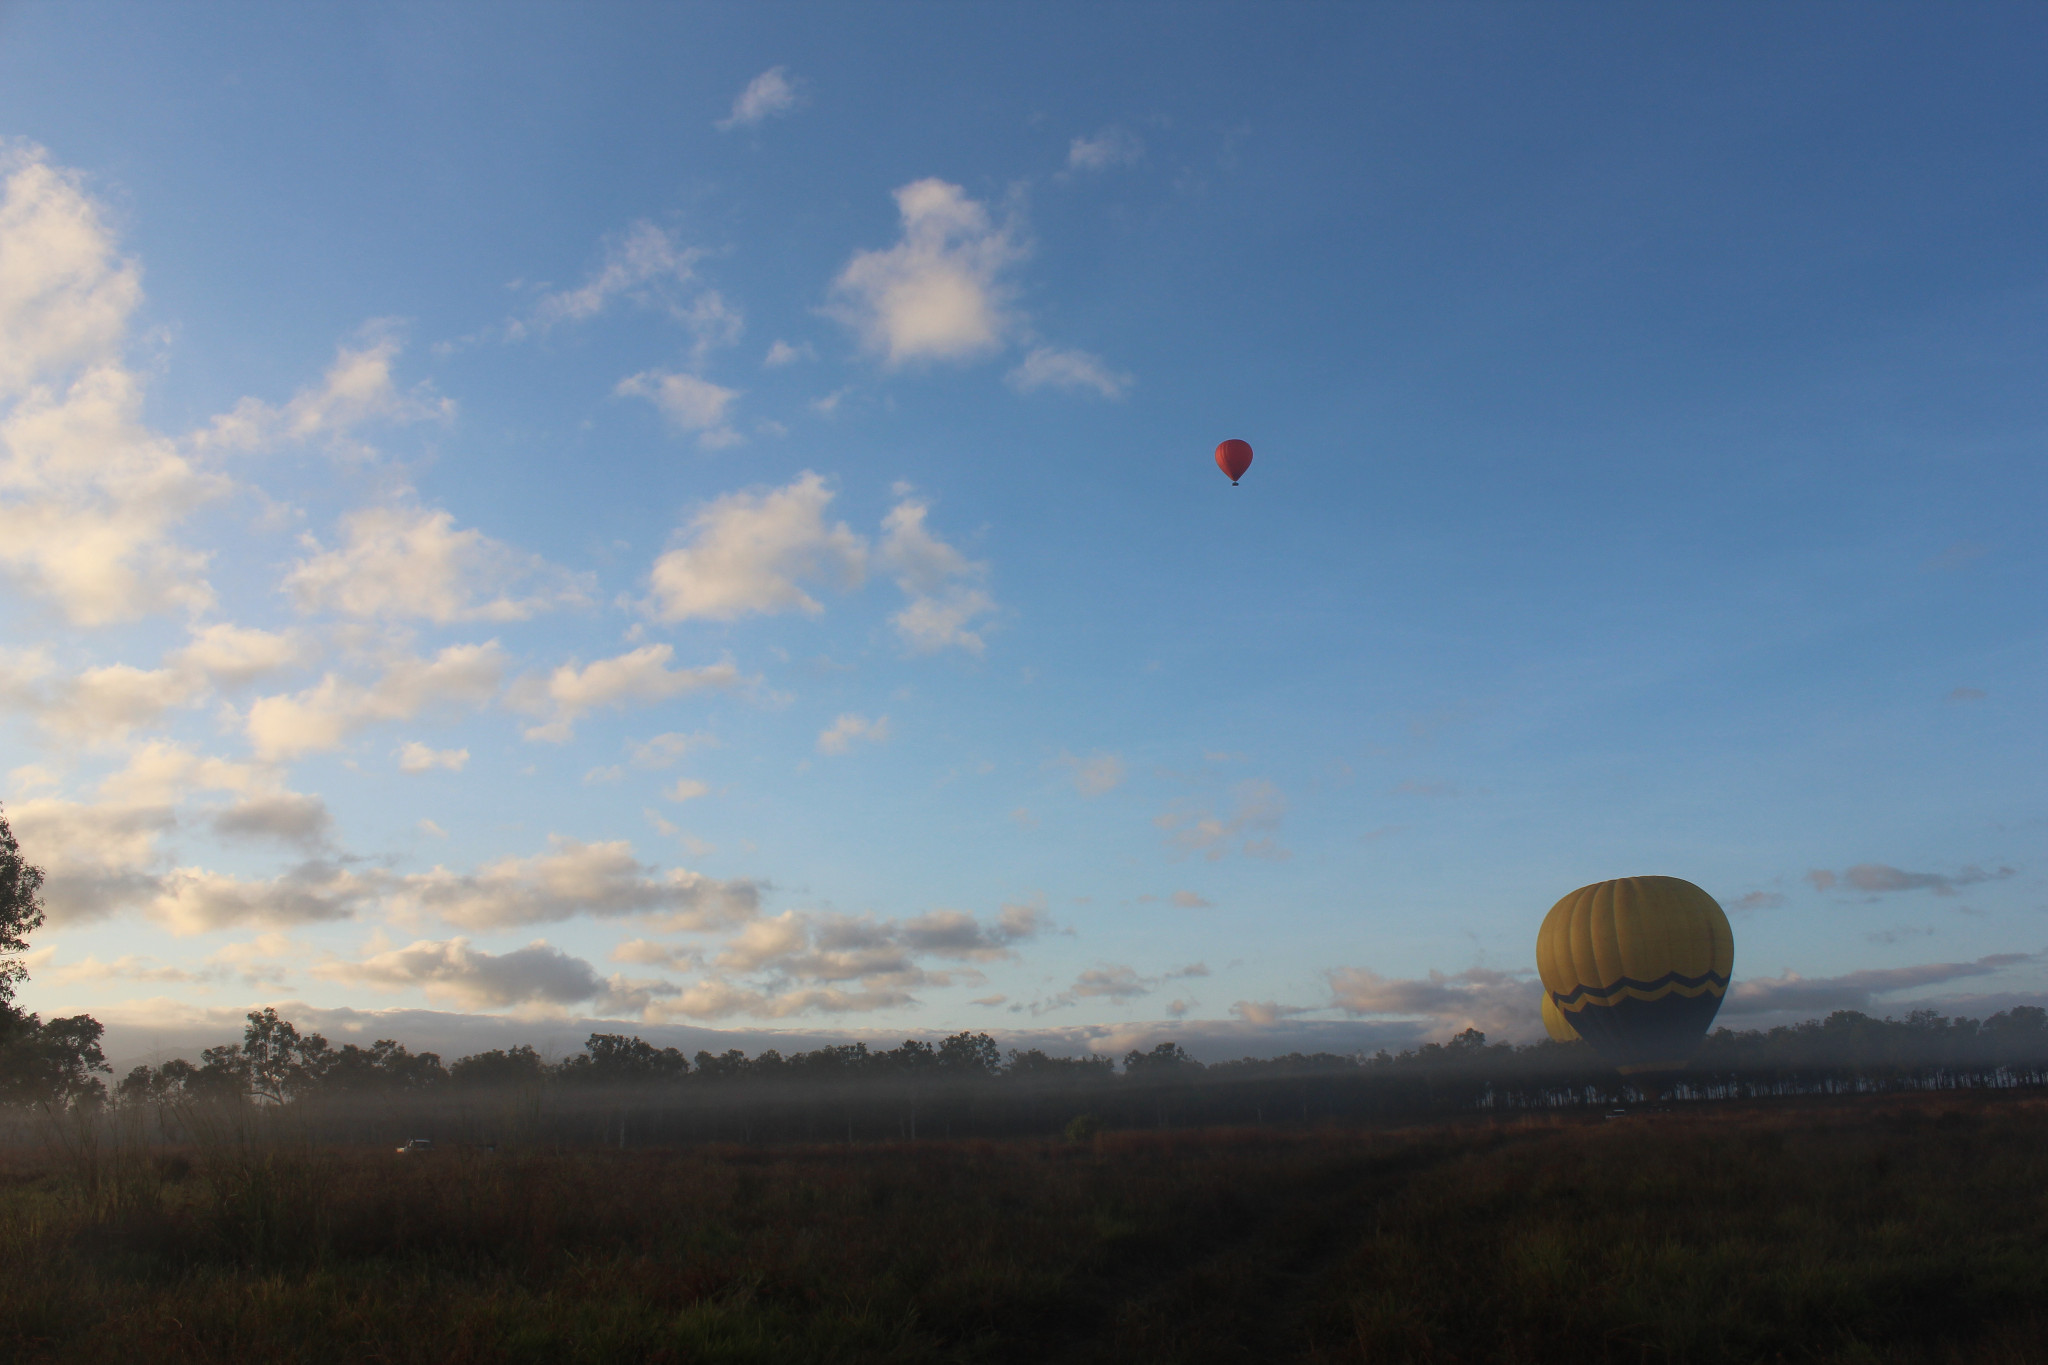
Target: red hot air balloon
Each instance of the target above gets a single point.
(1234, 458)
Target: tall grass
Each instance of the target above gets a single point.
(1895, 1230)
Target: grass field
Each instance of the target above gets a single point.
(1873, 1230)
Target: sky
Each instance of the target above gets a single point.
(700, 520)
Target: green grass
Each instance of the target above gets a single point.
(1893, 1230)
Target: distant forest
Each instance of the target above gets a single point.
(622, 1090)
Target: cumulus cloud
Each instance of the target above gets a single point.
(129, 967)
(1189, 900)
(664, 751)
(782, 353)
(1855, 990)
(98, 859)
(89, 495)
(192, 900)
(1075, 371)
(647, 266)
(641, 676)
(287, 817)
(1506, 1003)
(690, 403)
(400, 561)
(839, 736)
(451, 969)
(796, 949)
(751, 552)
(98, 706)
(1095, 775)
(574, 878)
(772, 92)
(1114, 984)
(940, 293)
(231, 656)
(1265, 1013)
(162, 773)
(322, 717)
(686, 789)
(1111, 147)
(941, 583)
(1256, 812)
(356, 391)
(417, 758)
(65, 292)
(1878, 879)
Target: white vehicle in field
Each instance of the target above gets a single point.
(416, 1145)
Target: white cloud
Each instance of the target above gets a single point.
(231, 656)
(1111, 147)
(938, 579)
(1879, 879)
(161, 773)
(356, 391)
(642, 676)
(88, 494)
(1052, 367)
(1505, 1003)
(666, 750)
(1115, 985)
(1856, 990)
(940, 292)
(192, 900)
(98, 859)
(400, 561)
(128, 967)
(322, 717)
(772, 92)
(838, 737)
(646, 266)
(575, 878)
(782, 353)
(686, 789)
(289, 817)
(65, 295)
(98, 707)
(1095, 775)
(416, 758)
(1190, 900)
(537, 974)
(688, 402)
(805, 963)
(88, 497)
(1257, 812)
(750, 552)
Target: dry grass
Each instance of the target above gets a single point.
(1892, 1230)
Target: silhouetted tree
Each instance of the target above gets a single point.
(21, 911)
(383, 1066)
(970, 1054)
(1166, 1059)
(520, 1066)
(280, 1062)
(54, 1063)
(616, 1059)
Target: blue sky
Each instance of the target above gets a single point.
(703, 518)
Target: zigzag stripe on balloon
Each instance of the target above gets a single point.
(1671, 983)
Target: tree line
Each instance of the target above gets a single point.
(59, 1065)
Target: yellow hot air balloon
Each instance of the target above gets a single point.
(1555, 1024)
(1637, 967)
